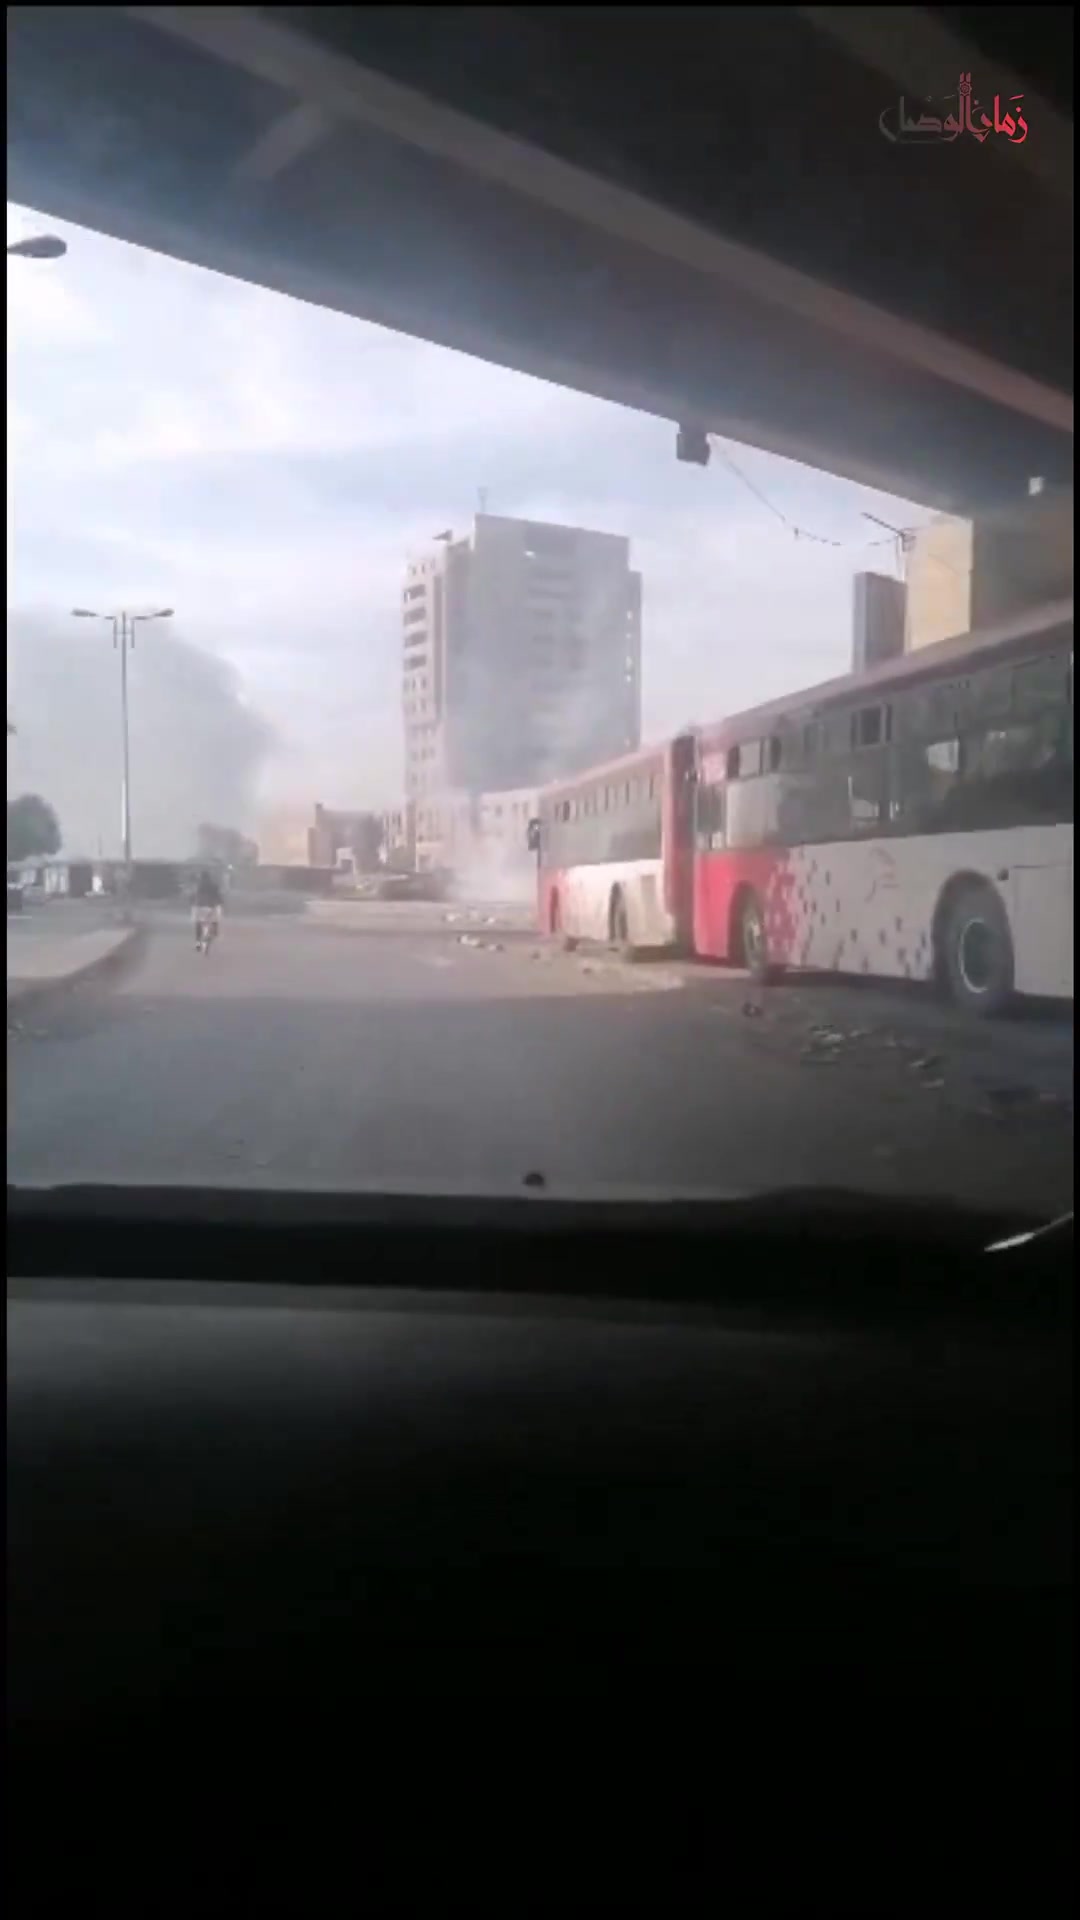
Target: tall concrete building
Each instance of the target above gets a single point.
(521, 657)
(970, 573)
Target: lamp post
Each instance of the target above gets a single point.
(123, 633)
(39, 246)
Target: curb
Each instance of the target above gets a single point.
(33, 993)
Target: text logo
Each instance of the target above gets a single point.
(903, 127)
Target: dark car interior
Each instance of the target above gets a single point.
(392, 1549)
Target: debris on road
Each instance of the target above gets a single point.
(471, 917)
(1008, 1096)
(1005, 1100)
(752, 1010)
(823, 1046)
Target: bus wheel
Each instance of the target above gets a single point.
(977, 952)
(753, 940)
(619, 927)
(555, 924)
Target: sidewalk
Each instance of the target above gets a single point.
(43, 958)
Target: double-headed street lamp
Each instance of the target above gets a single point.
(123, 633)
(39, 246)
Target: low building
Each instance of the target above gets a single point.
(482, 839)
(346, 841)
(283, 840)
(331, 837)
(54, 877)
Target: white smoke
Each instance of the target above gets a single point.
(196, 747)
(489, 880)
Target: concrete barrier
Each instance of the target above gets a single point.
(111, 947)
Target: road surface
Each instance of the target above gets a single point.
(395, 1045)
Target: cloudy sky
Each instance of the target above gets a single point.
(265, 467)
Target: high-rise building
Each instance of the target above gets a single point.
(521, 656)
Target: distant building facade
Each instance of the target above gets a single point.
(283, 840)
(399, 837)
(521, 657)
(481, 838)
(345, 840)
(965, 574)
(331, 837)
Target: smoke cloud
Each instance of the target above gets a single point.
(197, 748)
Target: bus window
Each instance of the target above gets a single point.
(943, 756)
(709, 832)
(1041, 684)
(866, 795)
(870, 726)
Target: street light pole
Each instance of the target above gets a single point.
(125, 787)
(123, 633)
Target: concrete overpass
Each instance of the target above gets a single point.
(692, 211)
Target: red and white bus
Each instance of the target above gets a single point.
(616, 851)
(911, 822)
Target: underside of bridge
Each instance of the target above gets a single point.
(693, 211)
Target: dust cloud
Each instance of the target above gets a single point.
(511, 883)
(197, 748)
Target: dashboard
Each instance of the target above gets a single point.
(827, 1522)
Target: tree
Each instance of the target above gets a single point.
(32, 827)
(225, 846)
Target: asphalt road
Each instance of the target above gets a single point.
(394, 1046)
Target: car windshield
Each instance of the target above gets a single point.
(435, 766)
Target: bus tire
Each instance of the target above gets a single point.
(975, 951)
(555, 925)
(619, 926)
(751, 940)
